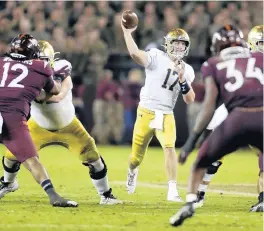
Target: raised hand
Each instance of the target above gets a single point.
(179, 67)
(125, 30)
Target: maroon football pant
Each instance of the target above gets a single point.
(16, 136)
(240, 129)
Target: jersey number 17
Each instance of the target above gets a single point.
(164, 85)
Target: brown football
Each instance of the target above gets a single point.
(129, 19)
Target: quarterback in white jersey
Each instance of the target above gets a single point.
(53, 121)
(159, 93)
(166, 76)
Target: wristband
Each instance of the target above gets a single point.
(185, 88)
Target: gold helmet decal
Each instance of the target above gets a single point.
(47, 51)
(256, 39)
(177, 35)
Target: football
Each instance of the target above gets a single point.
(129, 19)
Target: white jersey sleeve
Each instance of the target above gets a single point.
(152, 58)
(62, 67)
(62, 63)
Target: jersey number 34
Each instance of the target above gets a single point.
(232, 72)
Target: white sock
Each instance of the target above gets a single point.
(172, 187)
(208, 177)
(102, 184)
(190, 197)
(8, 176)
(202, 187)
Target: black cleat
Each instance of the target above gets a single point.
(6, 188)
(200, 200)
(257, 207)
(185, 212)
(64, 203)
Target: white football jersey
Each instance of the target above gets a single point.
(161, 88)
(54, 116)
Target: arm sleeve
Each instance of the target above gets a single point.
(62, 68)
(152, 58)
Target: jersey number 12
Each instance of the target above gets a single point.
(164, 85)
(15, 81)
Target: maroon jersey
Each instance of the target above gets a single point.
(239, 77)
(21, 82)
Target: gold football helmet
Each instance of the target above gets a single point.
(177, 35)
(47, 52)
(256, 39)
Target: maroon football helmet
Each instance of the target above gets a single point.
(25, 44)
(227, 36)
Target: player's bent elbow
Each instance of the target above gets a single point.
(139, 57)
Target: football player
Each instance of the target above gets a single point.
(243, 98)
(255, 41)
(167, 75)
(219, 116)
(256, 44)
(53, 121)
(23, 76)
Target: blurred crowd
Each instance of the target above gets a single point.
(89, 35)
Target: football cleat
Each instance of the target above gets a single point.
(6, 187)
(131, 181)
(64, 203)
(185, 212)
(109, 199)
(200, 200)
(257, 207)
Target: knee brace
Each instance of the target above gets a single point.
(213, 168)
(15, 167)
(96, 175)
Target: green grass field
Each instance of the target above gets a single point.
(231, 194)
